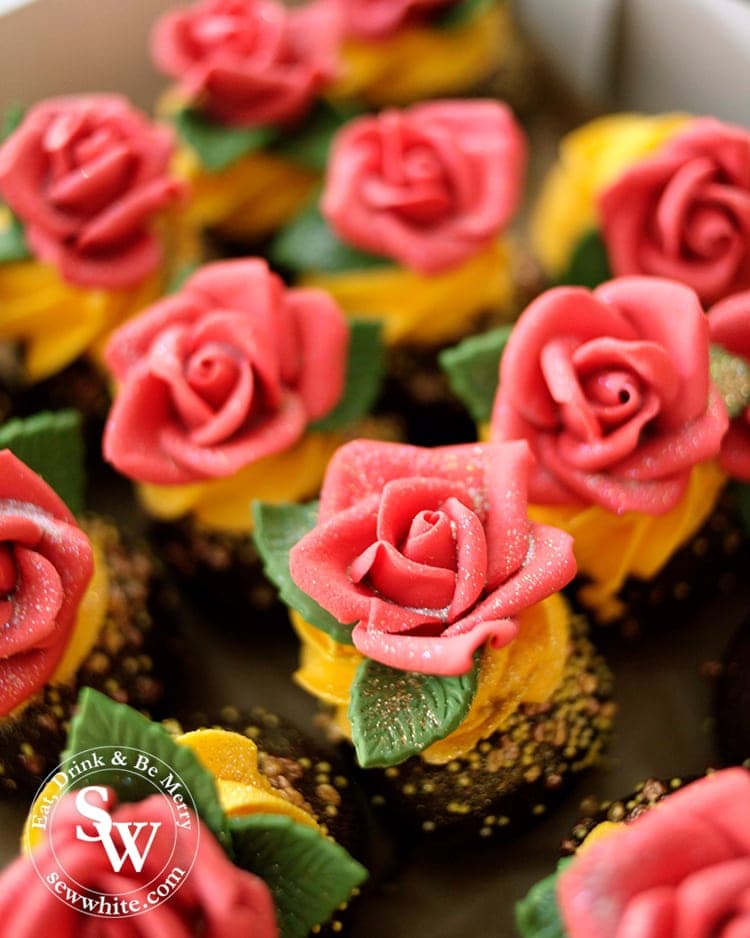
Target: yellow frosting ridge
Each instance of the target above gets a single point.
(610, 547)
(421, 62)
(599, 833)
(89, 621)
(56, 321)
(426, 309)
(590, 158)
(253, 197)
(528, 670)
(233, 761)
(243, 789)
(225, 504)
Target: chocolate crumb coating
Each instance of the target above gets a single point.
(310, 775)
(732, 700)
(624, 810)
(707, 567)
(418, 391)
(120, 665)
(215, 567)
(517, 773)
(80, 385)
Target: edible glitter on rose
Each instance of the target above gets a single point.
(362, 565)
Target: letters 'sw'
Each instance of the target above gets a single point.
(130, 832)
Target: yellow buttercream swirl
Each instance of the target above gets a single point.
(422, 62)
(528, 670)
(428, 310)
(89, 620)
(248, 200)
(609, 548)
(590, 158)
(225, 504)
(602, 830)
(231, 758)
(55, 322)
(243, 789)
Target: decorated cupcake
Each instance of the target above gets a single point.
(613, 391)
(431, 627)
(397, 52)
(74, 599)
(410, 230)
(230, 851)
(233, 389)
(666, 195)
(675, 862)
(246, 102)
(87, 237)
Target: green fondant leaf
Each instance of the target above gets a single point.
(742, 493)
(537, 914)
(472, 368)
(364, 374)
(52, 445)
(397, 714)
(277, 529)
(219, 146)
(731, 375)
(12, 238)
(589, 263)
(461, 12)
(101, 722)
(310, 143)
(309, 875)
(309, 244)
(12, 120)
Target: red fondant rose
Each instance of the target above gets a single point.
(87, 176)
(231, 369)
(428, 186)
(46, 563)
(376, 19)
(685, 213)
(681, 870)
(612, 391)
(249, 62)
(729, 323)
(429, 551)
(214, 898)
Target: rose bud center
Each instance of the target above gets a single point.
(710, 230)
(431, 540)
(212, 373)
(613, 396)
(421, 571)
(412, 180)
